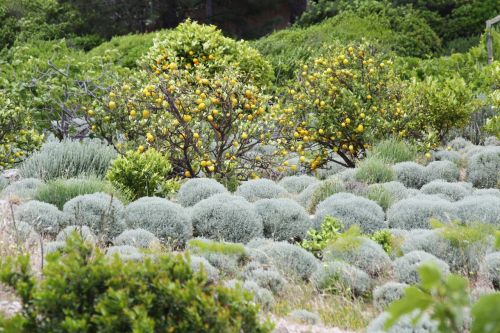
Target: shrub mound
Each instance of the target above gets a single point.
(484, 168)
(406, 267)
(318, 192)
(45, 218)
(444, 170)
(490, 269)
(265, 277)
(199, 263)
(196, 189)
(404, 325)
(139, 238)
(125, 252)
(24, 188)
(387, 293)
(83, 232)
(226, 218)
(257, 189)
(410, 174)
(445, 190)
(373, 170)
(164, 219)
(305, 317)
(297, 184)
(484, 208)
(416, 212)
(338, 276)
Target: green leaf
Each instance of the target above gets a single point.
(486, 314)
(414, 299)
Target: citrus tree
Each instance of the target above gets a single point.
(339, 104)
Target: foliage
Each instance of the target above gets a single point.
(445, 190)
(340, 103)
(410, 174)
(201, 264)
(484, 168)
(340, 277)
(385, 239)
(388, 293)
(124, 252)
(208, 246)
(406, 267)
(194, 190)
(416, 212)
(283, 219)
(126, 296)
(60, 191)
(485, 314)
(374, 170)
(83, 232)
(305, 317)
(139, 238)
(297, 184)
(393, 151)
(484, 208)
(143, 174)
(491, 269)
(317, 240)
(25, 188)
(166, 220)
(323, 190)
(67, 159)
(45, 218)
(101, 212)
(444, 170)
(266, 278)
(256, 189)
(352, 210)
(224, 217)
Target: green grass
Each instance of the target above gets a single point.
(206, 246)
(394, 151)
(374, 170)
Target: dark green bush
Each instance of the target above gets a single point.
(83, 291)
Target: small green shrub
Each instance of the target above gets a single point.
(484, 168)
(139, 238)
(394, 151)
(297, 184)
(200, 245)
(379, 194)
(445, 190)
(194, 190)
(126, 296)
(410, 174)
(166, 220)
(102, 213)
(60, 191)
(283, 219)
(45, 218)
(322, 191)
(406, 267)
(388, 293)
(68, 159)
(24, 188)
(143, 174)
(387, 240)
(340, 277)
(261, 295)
(444, 170)
(225, 217)
(374, 170)
(257, 189)
(317, 240)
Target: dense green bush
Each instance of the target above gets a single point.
(387, 293)
(410, 174)
(253, 190)
(225, 217)
(444, 170)
(484, 168)
(406, 267)
(139, 238)
(374, 170)
(416, 212)
(102, 213)
(45, 218)
(360, 252)
(386, 194)
(351, 210)
(283, 219)
(166, 220)
(445, 190)
(143, 174)
(60, 191)
(83, 291)
(194, 190)
(25, 188)
(394, 151)
(340, 277)
(67, 159)
(297, 184)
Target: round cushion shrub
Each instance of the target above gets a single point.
(227, 257)
(265, 277)
(447, 155)
(410, 174)
(459, 143)
(125, 252)
(45, 218)
(405, 324)
(351, 210)
(416, 212)
(283, 219)
(484, 168)
(82, 231)
(483, 208)
(256, 189)
(304, 198)
(102, 213)
(290, 260)
(305, 317)
(387, 293)
(487, 191)
(228, 218)
(196, 189)
(490, 269)
(445, 190)
(361, 252)
(373, 170)
(406, 267)
(199, 263)
(139, 238)
(328, 170)
(24, 188)
(262, 296)
(297, 184)
(166, 220)
(340, 277)
(318, 192)
(445, 170)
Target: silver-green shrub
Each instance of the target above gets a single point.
(24, 188)
(304, 198)
(328, 170)
(125, 252)
(45, 218)
(199, 263)
(102, 213)
(361, 252)
(166, 220)
(445, 170)
(405, 324)
(66, 159)
(445, 190)
(410, 174)
(305, 317)
(265, 277)
(347, 175)
(406, 267)
(3, 183)
(81, 230)
(283, 219)
(262, 296)
(490, 269)
(447, 155)
(491, 141)
(487, 192)
(340, 277)
(226, 218)
(51, 247)
(387, 293)
(351, 210)
(253, 190)
(459, 143)
(373, 170)
(483, 208)
(297, 184)
(139, 238)
(318, 192)
(484, 168)
(196, 189)
(416, 212)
